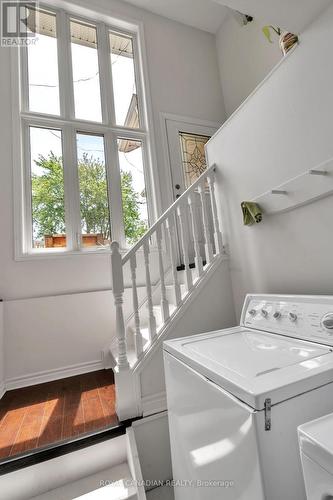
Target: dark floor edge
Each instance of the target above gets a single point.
(56, 450)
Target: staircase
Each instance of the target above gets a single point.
(187, 233)
(109, 470)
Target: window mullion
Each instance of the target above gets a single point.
(66, 89)
(114, 189)
(139, 83)
(148, 176)
(23, 55)
(86, 126)
(27, 191)
(105, 72)
(72, 195)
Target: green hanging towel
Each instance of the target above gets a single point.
(251, 213)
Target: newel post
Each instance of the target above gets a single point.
(118, 291)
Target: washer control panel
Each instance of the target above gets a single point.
(303, 317)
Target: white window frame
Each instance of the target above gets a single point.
(66, 121)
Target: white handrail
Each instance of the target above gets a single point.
(167, 213)
(195, 213)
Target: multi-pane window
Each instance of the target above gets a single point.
(84, 136)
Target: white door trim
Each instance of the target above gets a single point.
(164, 117)
(190, 119)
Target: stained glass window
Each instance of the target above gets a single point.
(193, 156)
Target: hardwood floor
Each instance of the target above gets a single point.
(44, 414)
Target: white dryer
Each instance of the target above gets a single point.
(237, 396)
(316, 447)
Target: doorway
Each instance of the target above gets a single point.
(186, 142)
(186, 148)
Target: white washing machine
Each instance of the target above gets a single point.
(237, 396)
(316, 446)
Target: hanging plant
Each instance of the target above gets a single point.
(286, 40)
(267, 32)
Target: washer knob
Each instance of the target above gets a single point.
(252, 312)
(292, 317)
(327, 321)
(277, 315)
(264, 313)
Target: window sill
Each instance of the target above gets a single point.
(60, 254)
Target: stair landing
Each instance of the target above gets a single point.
(37, 417)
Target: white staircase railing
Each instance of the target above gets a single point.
(191, 223)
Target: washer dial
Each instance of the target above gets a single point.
(327, 322)
(292, 316)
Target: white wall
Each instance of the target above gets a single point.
(2, 352)
(184, 79)
(245, 57)
(283, 130)
(58, 336)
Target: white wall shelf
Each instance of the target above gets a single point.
(312, 185)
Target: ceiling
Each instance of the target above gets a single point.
(206, 15)
(292, 15)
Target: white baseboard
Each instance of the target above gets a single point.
(156, 403)
(2, 389)
(53, 374)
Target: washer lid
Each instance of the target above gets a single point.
(316, 441)
(253, 365)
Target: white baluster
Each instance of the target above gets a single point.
(217, 231)
(208, 244)
(194, 220)
(138, 335)
(164, 301)
(118, 291)
(183, 220)
(151, 319)
(172, 241)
